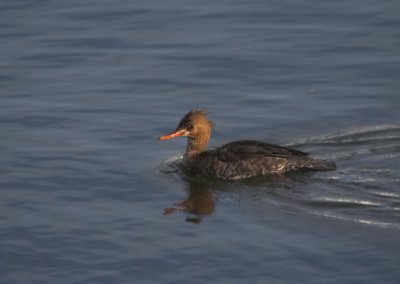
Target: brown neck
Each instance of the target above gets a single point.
(197, 145)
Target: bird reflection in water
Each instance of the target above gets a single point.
(200, 202)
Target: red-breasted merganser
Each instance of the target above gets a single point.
(238, 159)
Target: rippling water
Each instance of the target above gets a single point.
(87, 194)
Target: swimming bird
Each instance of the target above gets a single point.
(239, 159)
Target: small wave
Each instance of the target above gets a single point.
(359, 220)
(347, 201)
(365, 142)
(173, 159)
(363, 134)
(385, 194)
(170, 165)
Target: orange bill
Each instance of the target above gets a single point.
(177, 133)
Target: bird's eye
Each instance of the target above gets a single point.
(189, 127)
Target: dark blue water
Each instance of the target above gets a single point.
(88, 195)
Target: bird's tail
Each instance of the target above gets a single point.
(308, 163)
(320, 165)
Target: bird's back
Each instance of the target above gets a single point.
(247, 158)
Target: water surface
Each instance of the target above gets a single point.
(88, 195)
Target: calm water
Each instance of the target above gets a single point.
(88, 195)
